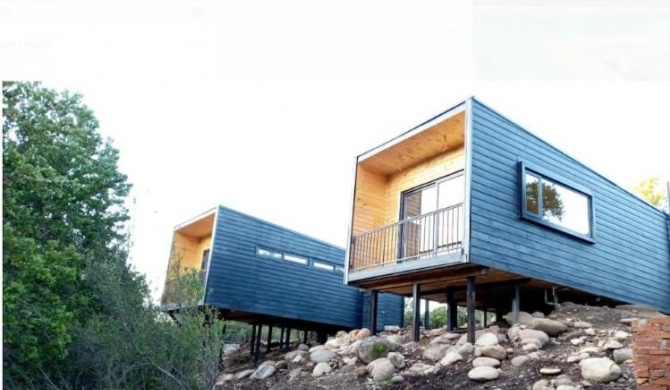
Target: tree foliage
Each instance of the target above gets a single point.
(62, 208)
(552, 204)
(76, 316)
(653, 192)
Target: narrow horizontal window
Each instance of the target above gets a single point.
(296, 259)
(339, 270)
(269, 253)
(323, 266)
(556, 204)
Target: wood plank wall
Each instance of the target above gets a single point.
(369, 201)
(188, 250)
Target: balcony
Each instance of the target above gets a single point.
(416, 242)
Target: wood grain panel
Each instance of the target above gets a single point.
(435, 168)
(436, 140)
(369, 201)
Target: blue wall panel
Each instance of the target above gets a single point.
(390, 309)
(241, 280)
(630, 259)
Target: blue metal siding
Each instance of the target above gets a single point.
(390, 308)
(240, 280)
(630, 259)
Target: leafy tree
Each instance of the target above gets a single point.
(75, 315)
(653, 192)
(62, 209)
(438, 317)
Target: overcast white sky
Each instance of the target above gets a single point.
(262, 106)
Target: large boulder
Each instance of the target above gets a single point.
(543, 384)
(264, 372)
(244, 374)
(422, 368)
(519, 361)
(373, 348)
(434, 352)
(397, 359)
(381, 369)
(623, 354)
(612, 344)
(398, 339)
(483, 374)
(550, 327)
(524, 318)
(333, 344)
(321, 356)
(493, 351)
(486, 361)
(600, 370)
(538, 335)
(451, 358)
(464, 337)
(354, 347)
(362, 334)
(321, 369)
(293, 354)
(486, 340)
(465, 350)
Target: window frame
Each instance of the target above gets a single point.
(543, 174)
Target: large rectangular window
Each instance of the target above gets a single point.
(556, 203)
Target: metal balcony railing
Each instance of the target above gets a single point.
(421, 237)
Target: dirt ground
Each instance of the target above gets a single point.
(455, 376)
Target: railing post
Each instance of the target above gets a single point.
(435, 234)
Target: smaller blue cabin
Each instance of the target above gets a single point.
(260, 273)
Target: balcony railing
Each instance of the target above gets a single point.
(421, 237)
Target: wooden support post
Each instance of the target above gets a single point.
(516, 305)
(416, 313)
(257, 348)
(486, 319)
(304, 337)
(269, 346)
(373, 311)
(471, 309)
(426, 316)
(500, 313)
(253, 339)
(281, 339)
(452, 310)
(288, 339)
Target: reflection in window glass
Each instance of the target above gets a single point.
(557, 204)
(268, 253)
(295, 259)
(567, 208)
(324, 266)
(532, 186)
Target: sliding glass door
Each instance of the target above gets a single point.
(432, 216)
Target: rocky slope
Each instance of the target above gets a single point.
(575, 347)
